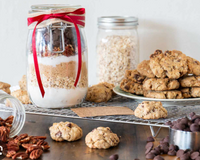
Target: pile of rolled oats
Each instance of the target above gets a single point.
(116, 54)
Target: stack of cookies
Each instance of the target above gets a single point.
(164, 75)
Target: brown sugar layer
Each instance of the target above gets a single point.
(62, 75)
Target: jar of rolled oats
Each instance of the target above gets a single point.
(12, 114)
(61, 53)
(117, 47)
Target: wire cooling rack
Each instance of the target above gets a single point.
(174, 112)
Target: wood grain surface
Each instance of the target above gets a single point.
(131, 146)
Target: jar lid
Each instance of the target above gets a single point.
(117, 21)
(44, 7)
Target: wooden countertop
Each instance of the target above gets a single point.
(131, 146)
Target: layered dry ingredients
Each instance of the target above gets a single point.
(58, 72)
(116, 54)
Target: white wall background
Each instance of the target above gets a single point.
(164, 24)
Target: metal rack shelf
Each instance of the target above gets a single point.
(174, 112)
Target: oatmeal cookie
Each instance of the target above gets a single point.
(160, 84)
(128, 85)
(150, 110)
(22, 83)
(22, 96)
(190, 81)
(174, 94)
(193, 66)
(171, 64)
(101, 138)
(134, 75)
(5, 87)
(101, 92)
(144, 69)
(65, 131)
(191, 92)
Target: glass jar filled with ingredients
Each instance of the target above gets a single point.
(12, 116)
(57, 69)
(117, 47)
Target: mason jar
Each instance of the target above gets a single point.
(10, 106)
(117, 47)
(58, 59)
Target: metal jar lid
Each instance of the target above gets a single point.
(113, 21)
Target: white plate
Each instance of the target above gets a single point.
(166, 102)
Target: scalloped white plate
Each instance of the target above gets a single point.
(166, 102)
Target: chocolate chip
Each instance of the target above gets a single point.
(150, 155)
(194, 118)
(148, 150)
(184, 121)
(69, 125)
(169, 123)
(149, 145)
(192, 114)
(127, 87)
(150, 139)
(194, 155)
(197, 120)
(114, 157)
(155, 152)
(198, 158)
(180, 126)
(172, 153)
(158, 158)
(185, 156)
(166, 139)
(164, 148)
(179, 153)
(194, 127)
(173, 147)
(58, 134)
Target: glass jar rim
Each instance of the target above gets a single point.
(44, 7)
(112, 21)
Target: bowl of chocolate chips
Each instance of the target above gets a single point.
(185, 132)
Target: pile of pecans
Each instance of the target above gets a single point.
(34, 145)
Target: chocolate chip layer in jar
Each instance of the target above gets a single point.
(58, 60)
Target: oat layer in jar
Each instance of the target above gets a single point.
(117, 48)
(61, 54)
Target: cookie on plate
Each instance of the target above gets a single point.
(101, 92)
(193, 66)
(190, 81)
(130, 86)
(191, 92)
(22, 83)
(171, 64)
(101, 138)
(150, 110)
(134, 75)
(144, 69)
(22, 96)
(5, 87)
(156, 84)
(65, 131)
(174, 94)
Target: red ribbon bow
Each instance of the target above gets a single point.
(76, 17)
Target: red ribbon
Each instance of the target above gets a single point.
(76, 18)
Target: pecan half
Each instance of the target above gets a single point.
(41, 142)
(33, 140)
(20, 155)
(10, 154)
(12, 147)
(45, 147)
(40, 137)
(20, 137)
(25, 140)
(35, 154)
(27, 145)
(31, 148)
(4, 133)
